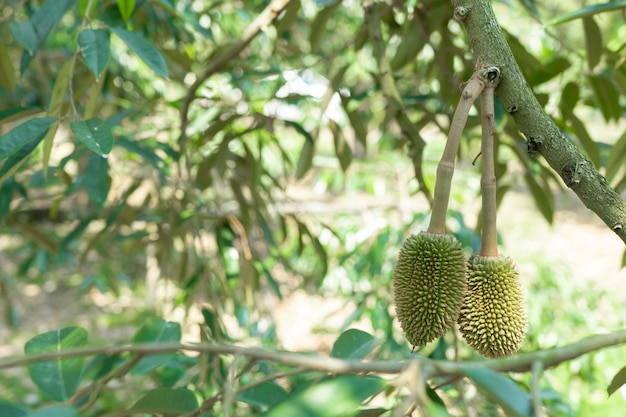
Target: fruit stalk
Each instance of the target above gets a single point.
(489, 240)
(445, 169)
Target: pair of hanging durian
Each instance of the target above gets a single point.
(434, 285)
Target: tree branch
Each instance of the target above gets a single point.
(518, 363)
(541, 132)
(218, 63)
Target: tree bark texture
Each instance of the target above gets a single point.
(542, 134)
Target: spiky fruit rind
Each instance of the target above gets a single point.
(493, 319)
(428, 286)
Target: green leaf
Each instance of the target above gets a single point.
(354, 344)
(593, 42)
(615, 161)
(54, 411)
(146, 51)
(342, 149)
(318, 26)
(588, 11)
(338, 397)
(263, 396)
(7, 72)
(411, 44)
(57, 378)
(23, 135)
(24, 33)
(59, 90)
(618, 381)
(588, 144)
(9, 409)
(544, 199)
(501, 390)
(126, 8)
(96, 180)
(548, 71)
(169, 401)
(95, 48)
(606, 97)
(305, 161)
(569, 95)
(14, 161)
(15, 113)
(95, 134)
(156, 330)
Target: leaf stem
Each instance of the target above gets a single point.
(445, 169)
(489, 239)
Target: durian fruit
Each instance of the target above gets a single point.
(428, 285)
(493, 318)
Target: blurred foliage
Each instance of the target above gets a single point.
(278, 180)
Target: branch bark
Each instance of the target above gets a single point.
(542, 134)
(431, 368)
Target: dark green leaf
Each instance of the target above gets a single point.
(570, 95)
(24, 33)
(411, 44)
(96, 49)
(617, 156)
(338, 397)
(342, 149)
(57, 378)
(169, 401)
(96, 180)
(263, 396)
(593, 42)
(95, 134)
(156, 330)
(305, 161)
(16, 159)
(501, 390)
(588, 144)
(544, 199)
(372, 412)
(24, 135)
(606, 97)
(354, 344)
(146, 51)
(588, 11)
(617, 382)
(9, 409)
(14, 113)
(548, 71)
(54, 411)
(126, 8)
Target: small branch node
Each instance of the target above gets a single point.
(512, 109)
(617, 227)
(460, 13)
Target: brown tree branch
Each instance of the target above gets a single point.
(542, 134)
(262, 21)
(519, 363)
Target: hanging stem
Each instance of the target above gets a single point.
(489, 242)
(445, 169)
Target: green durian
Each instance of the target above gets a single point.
(428, 286)
(493, 319)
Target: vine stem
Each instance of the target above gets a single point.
(445, 169)
(489, 238)
(431, 368)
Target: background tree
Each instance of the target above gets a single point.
(163, 162)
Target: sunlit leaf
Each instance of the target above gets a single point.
(345, 393)
(144, 49)
(354, 344)
(95, 134)
(588, 11)
(96, 49)
(57, 378)
(126, 8)
(169, 401)
(501, 390)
